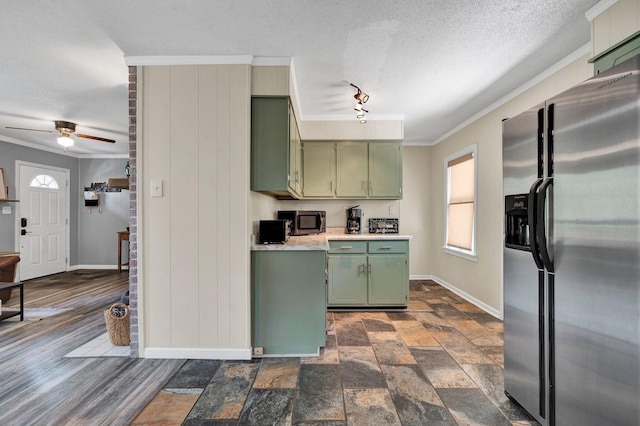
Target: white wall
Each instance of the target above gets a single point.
(482, 280)
(195, 238)
(614, 25)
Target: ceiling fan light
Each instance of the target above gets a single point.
(65, 140)
(363, 120)
(360, 115)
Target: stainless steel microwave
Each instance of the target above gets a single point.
(305, 222)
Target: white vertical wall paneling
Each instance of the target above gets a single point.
(225, 177)
(239, 103)
(208, 123)
(156, 215)
(184, 205)
(196, 140)
(270, 81)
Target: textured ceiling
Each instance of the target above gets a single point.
(433, 63)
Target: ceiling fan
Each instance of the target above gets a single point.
(65, 129)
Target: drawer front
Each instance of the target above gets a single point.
(345, 247)
(388, 246)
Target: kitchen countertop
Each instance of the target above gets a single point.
(321, 241)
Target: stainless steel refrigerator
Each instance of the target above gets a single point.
(572, 253)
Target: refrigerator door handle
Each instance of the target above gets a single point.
(541, 234)
(532, 219)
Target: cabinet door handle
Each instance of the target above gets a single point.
(386, 248)
(331, 186)
(370, 269)
(345, 247)
(370, 188)
(362, 272)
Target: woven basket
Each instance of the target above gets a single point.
(118, 327)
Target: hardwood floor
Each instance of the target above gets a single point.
(439, 362)
(39, 386)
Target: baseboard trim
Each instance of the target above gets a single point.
(197, 353)
(77, 267)
(469, 298)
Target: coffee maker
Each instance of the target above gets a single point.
(354, 220)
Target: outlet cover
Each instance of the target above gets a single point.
(258, 350)
(6, 209)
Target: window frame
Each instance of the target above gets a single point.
(457, 251)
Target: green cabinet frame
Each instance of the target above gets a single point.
(359, 169)
(276, 150)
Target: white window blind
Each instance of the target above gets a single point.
(460, 203)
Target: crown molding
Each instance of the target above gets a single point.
(583, 50)
(598, 9)
(188, 60)
(265, 61)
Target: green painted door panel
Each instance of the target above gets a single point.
(388, 281)
(288, 302)
(269, 143)
(347, 280)
(352, 173)
(319, 165)
(295, 155)
(385, 170)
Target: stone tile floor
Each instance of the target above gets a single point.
(438, 363)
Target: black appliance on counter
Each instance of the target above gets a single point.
(274, 231)
(383, 226)
(354, 220)
(305, 222)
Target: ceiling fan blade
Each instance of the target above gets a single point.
(24, 128)
(95, 138)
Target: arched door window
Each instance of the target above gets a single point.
(44, 181)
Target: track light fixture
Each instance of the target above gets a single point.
(360, 98)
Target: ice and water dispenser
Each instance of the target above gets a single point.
(517, 221)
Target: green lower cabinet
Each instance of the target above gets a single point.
(347, 283)
(388, 280)
(368, 279)
(288, 301)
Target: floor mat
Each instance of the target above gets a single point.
(101, 346)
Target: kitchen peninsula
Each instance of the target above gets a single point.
(294, 283)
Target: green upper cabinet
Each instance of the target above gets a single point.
(385, 170)
(352, 169)
(319, 166)
(618, 53)
(276, 151)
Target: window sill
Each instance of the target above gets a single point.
(465, 254)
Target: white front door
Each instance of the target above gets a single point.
(42, 220)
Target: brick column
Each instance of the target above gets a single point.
(133, 210)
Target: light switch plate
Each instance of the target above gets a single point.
(156, 187)
(6, 209)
